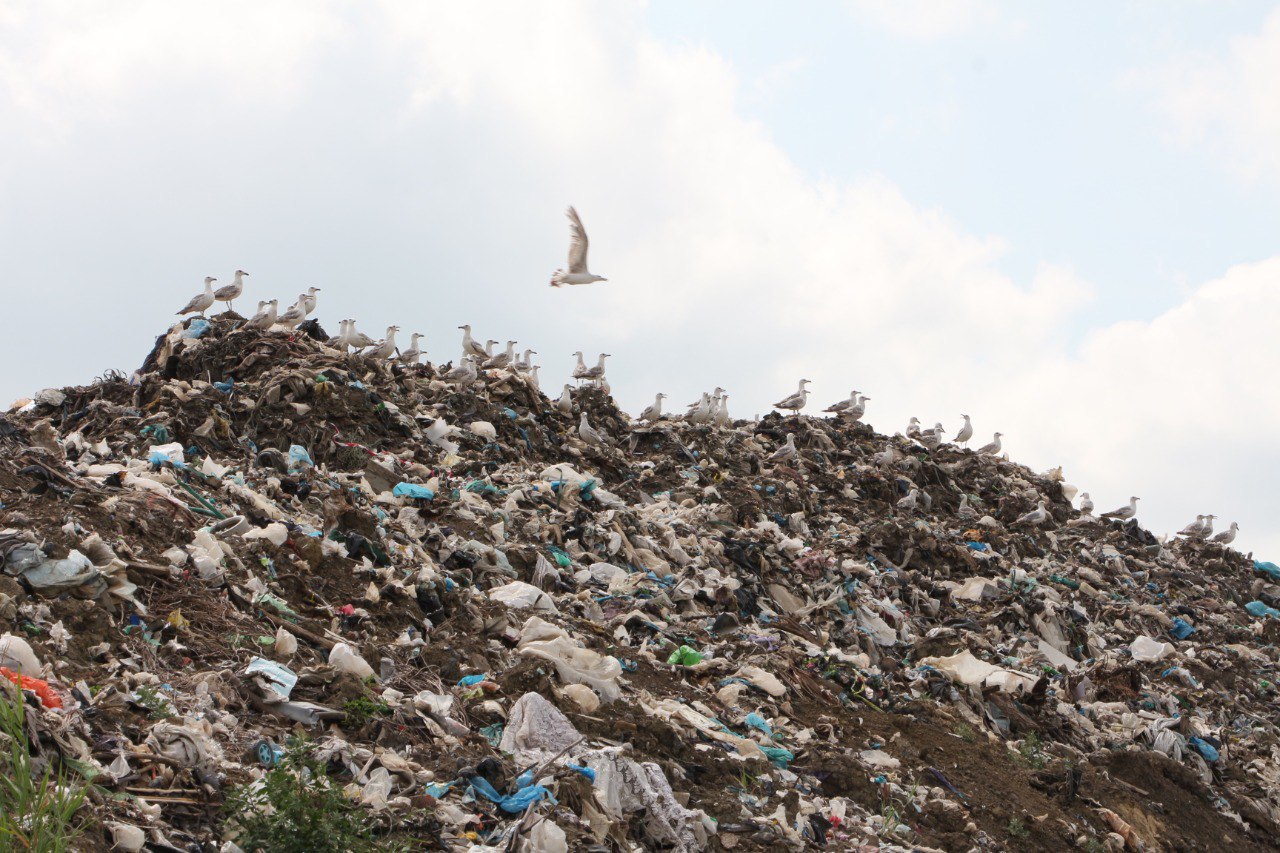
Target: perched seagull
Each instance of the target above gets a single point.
(1227, 536)
(786, 451)
(502, 359)
(966, 512)
(913, 428)
(577, 272)
(965, 433)
(1208, 527)
(1086, 504)
(293, 316)
(469, 345)
(413, 353)
(1195, 529)
(844, 406)
(654, 411)
(700, 412)
(532, 375)
(580, 369)
(385, 348)
(910, 501)
(721, 416)
(595, 374)
(465, 373)
(344, 334)
(266, 316)
(1037, 516)
(202, 301)
(233, 290)
(565, 403)
(588, 434)
(309, 305)
(932, 438)
(525, 362)
(1125, 511)
(859, 410)
(797, 400)
(991, 449)
(358, 339)
(488, 349)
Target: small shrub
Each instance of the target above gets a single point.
(297, 808)
(1017, 828)
(37, 808)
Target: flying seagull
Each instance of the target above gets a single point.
(577, 272)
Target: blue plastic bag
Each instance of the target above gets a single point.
(1181, 629)
(1257, 608)
(299, 459)
(413, 490)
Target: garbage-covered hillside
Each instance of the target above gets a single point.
(497, 620)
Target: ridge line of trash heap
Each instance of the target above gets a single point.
(496, 631)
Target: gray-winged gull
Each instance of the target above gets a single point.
(1037, 516)
(266, 316)
(464, 373)
(411, 355)
(1086, 504)
(565, 403)
(991, 449)
(965, 433)
(1227, 536)
(384, 348)
(201, 301)
(1125, 511)
(1195, 529)
(294, 316)
(309, 300)
(786, 451)
(588, 433)
(843, 406)
(469, 344)
(653, 412)
(577, 272)
(502, 359)
(796, 401)
(232, 291)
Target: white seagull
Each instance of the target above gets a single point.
(565, 403)
(266, 316)
(309, 300)
(294, 316)
(991, 449)
(588, 434)
(411, 355)
(233, 290)
(786, 451)
(1086, 504)
(469, 344)
(1037, 516)
(201, 301)
(1125, 511)
(796, 401)
(1227, 536)
(965, 433)
(653, 412)
(577, 272)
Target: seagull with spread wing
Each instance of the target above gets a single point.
(577, 272)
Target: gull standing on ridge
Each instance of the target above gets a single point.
(502, 359)
(233, 290)
(721, 416)
(413, 353)
(532, 375)
(1125, 511)
(201, 301)
(1193, 530)
(653, 412)
(266, 316)
(309, 300)
(465, 373)
(796, 401)
(358, 339)
(595, 374)
(525, 362)
(913, 428)
(1227, 536)
(992, 449)
(580, 369)
(385, 347)
(588, 434)
(294, 316)
(909, 502)
(1086, 504)
(469, 345)
(577, 272)
(965, 433)
(565, 404)
(844, 406)
(855, 414)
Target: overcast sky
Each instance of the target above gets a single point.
(1061, 220)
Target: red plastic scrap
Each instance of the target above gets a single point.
(48, 697)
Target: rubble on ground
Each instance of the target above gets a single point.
(501, 636)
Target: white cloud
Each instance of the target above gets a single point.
(929, 20)
(1229, 101)
(413, 161)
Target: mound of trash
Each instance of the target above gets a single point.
(491, 629)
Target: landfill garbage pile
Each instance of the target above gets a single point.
(498, 630)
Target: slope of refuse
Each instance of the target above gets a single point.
(498, 636)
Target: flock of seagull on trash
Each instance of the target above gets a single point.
(711, 409)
